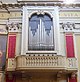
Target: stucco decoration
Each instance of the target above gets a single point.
(13, 27)
(68, 26)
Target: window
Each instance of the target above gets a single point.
(40, 32)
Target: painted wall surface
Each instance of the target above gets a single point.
(3, 43)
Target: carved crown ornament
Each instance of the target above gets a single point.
(40, 12)
(13, 27)
(70, 26)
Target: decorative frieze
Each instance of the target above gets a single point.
(65, 14)
(68, 14)
(10, 15)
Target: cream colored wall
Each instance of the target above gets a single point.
(18, 44)
(77, 38)
(62, 44)
(78, 48)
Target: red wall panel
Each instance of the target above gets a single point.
(11, 46)
(73, 79)
(69, 45)
(10, 78)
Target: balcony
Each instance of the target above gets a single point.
(42, 63)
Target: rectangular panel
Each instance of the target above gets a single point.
(69, 45)
(3, 43)
(11, 45)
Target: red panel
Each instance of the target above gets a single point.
(73, 79)
(11, 46)
(69, 45)
(10, 79)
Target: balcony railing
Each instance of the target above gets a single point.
(11, 64)
(42, 62)
(71, 63)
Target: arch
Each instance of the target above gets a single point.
(50, 14)
(41, 12)
(34, 12)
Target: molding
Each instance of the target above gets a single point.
(63, 9)
(40, 12)
(20, 4)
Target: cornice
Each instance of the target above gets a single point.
(38, 3)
